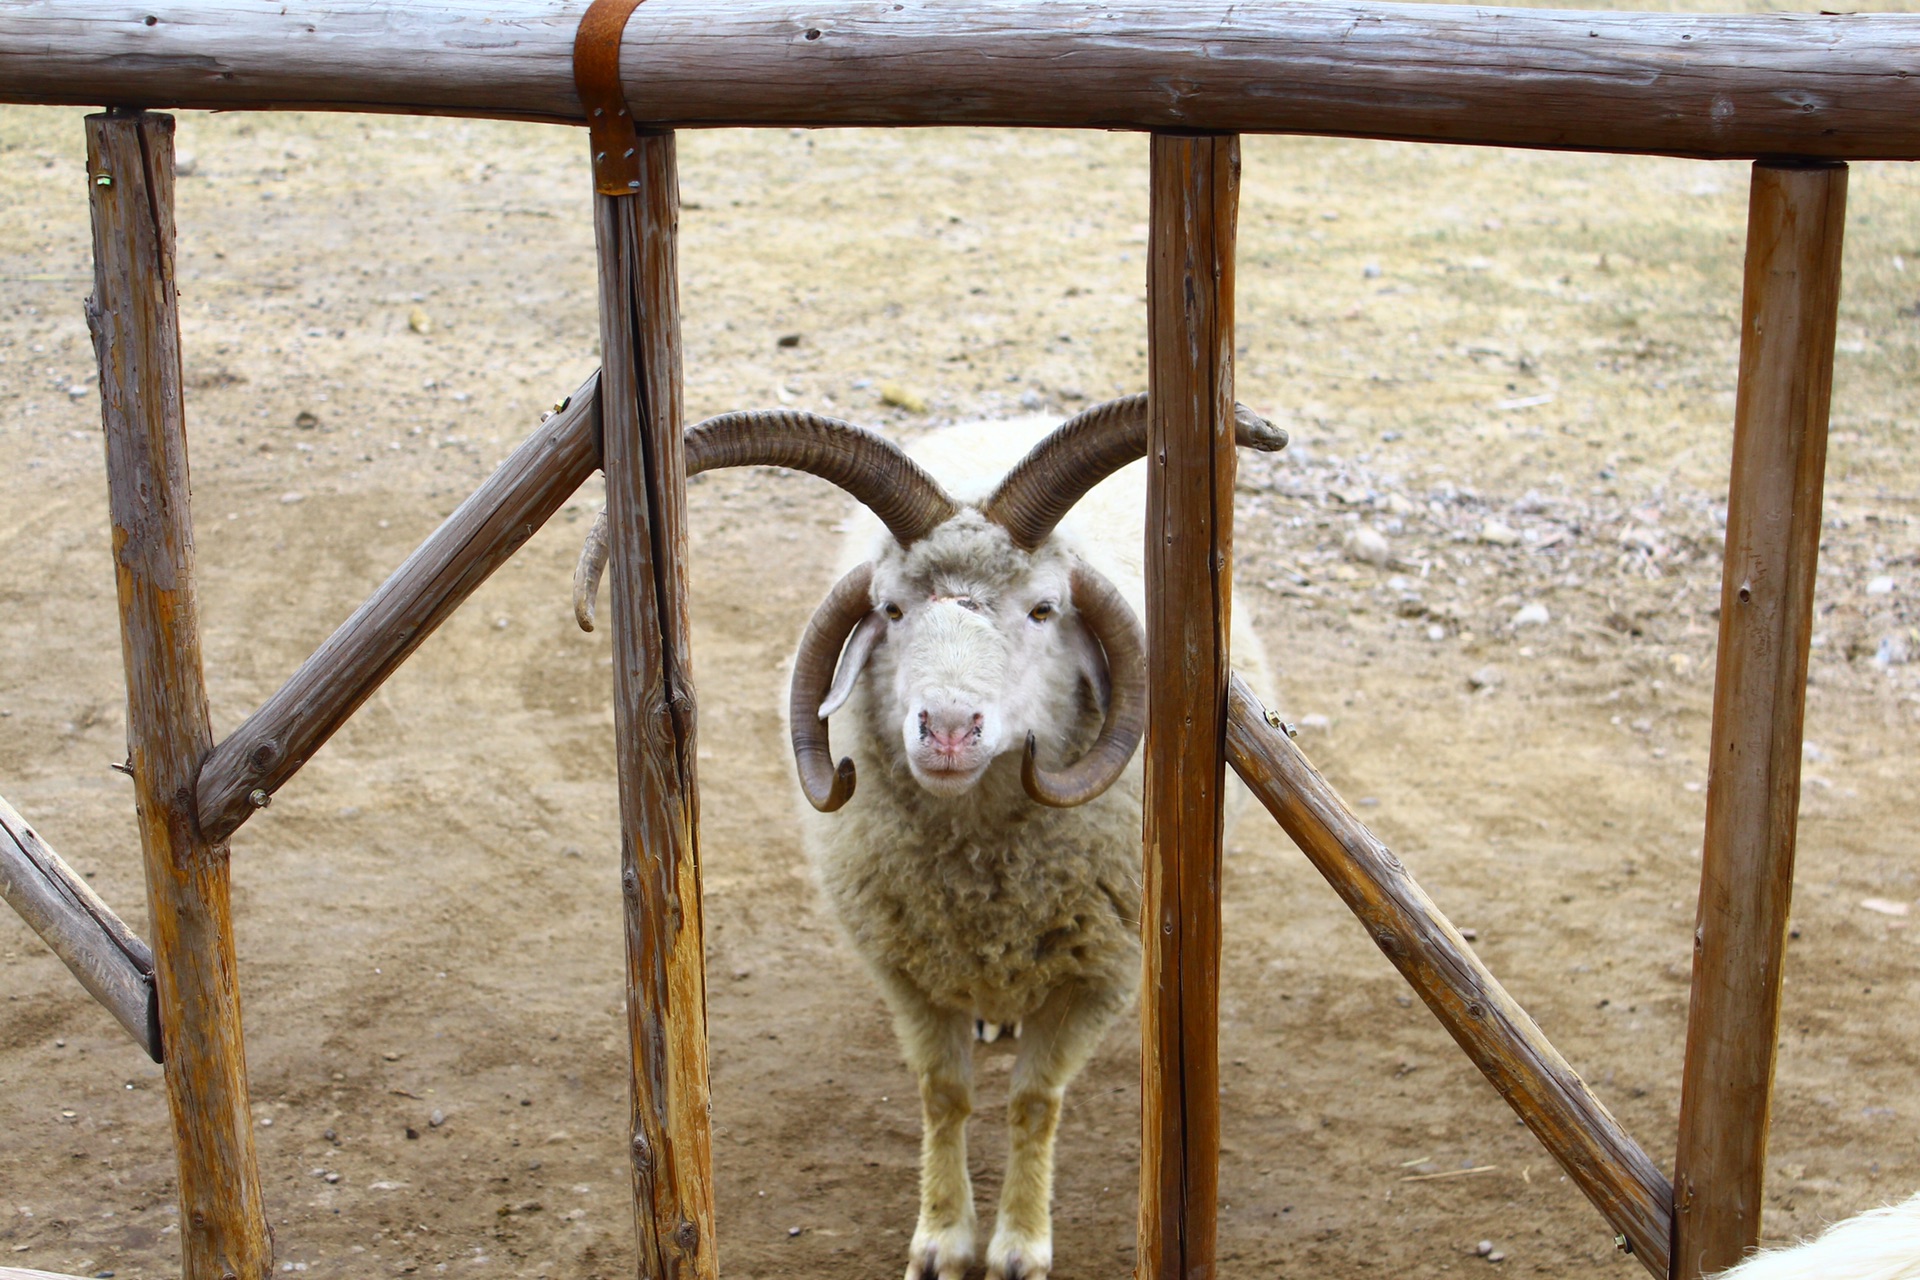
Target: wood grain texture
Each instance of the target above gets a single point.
(1577, 1130)
(136, 334)
(1194, 198)
(1795, 221)
(273, 743)
(110, 961)
(671, 1143)
(1697, 84)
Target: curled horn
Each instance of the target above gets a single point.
(873, 469)
(1107, 615)
(827, 786)
(1083, 451)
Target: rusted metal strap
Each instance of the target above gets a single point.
(596, 78)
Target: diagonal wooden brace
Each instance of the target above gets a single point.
(108, 958)
(271, 745)
(1508, 1046)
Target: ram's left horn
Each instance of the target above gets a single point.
(1107, 615)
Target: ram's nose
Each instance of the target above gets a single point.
(951, 732)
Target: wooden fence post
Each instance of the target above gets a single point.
(1190, 474)
(645, 462)
(135, 319)
(1795, 222)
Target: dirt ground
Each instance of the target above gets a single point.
(1516, 369)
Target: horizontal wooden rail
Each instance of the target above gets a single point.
(1710, 85)
(110, 960)
(1508, 1047)
(19, 1273)
(271, 745)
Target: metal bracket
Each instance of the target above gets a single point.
(596, 78)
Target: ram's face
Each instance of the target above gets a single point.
(981, 649)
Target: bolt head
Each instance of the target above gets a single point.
(259, 798)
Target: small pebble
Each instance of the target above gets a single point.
(1532, 615)
(792, 1231)
(1486, 678)
(1496, 534)
(412, 1133)
(1496, 1256)
(1368, 546)
(1482, 1249)
(438, 1118)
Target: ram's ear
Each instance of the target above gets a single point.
(871, 632)
(1092, 660)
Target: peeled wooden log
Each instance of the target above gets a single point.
(1575, 1127)
(271, 745)
(135, 318)
(112, 963)
(1710, 85)
(1790, 312)
(1194, 201)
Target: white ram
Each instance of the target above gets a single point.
(984, 653)
(1881, 1244)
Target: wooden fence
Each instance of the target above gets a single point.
(1800, 95)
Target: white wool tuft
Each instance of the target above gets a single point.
(1881, 1244)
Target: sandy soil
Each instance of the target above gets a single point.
(1516, 369)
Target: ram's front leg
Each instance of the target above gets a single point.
(939, 1050)
(1054, 1044)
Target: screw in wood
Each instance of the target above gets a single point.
(259, 798)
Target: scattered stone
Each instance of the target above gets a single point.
(438, 1118)
(902, 397)
(1436, 633)
(1496, 1256)
(1532, 615)
(306, 420)
(1482, 1249)
(1880, 586)
(412, 1133)
(292, 496)
(1886, 906)
(1368, 546)
(1497, 534)
(1315, 721)
(1485, 679)
(788, 340)
(1679, 663)
(419, 321)
(185, 164)
(1894, 650)
(330, 1178)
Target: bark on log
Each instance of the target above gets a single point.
(108, 958)
(1195, 191)
(645, 461)
(272, 744)
(136, 333)
(1577, 1130)
(1729, 86)
(1795, 222)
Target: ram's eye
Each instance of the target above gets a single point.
(892, 611)
(1042, 611)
